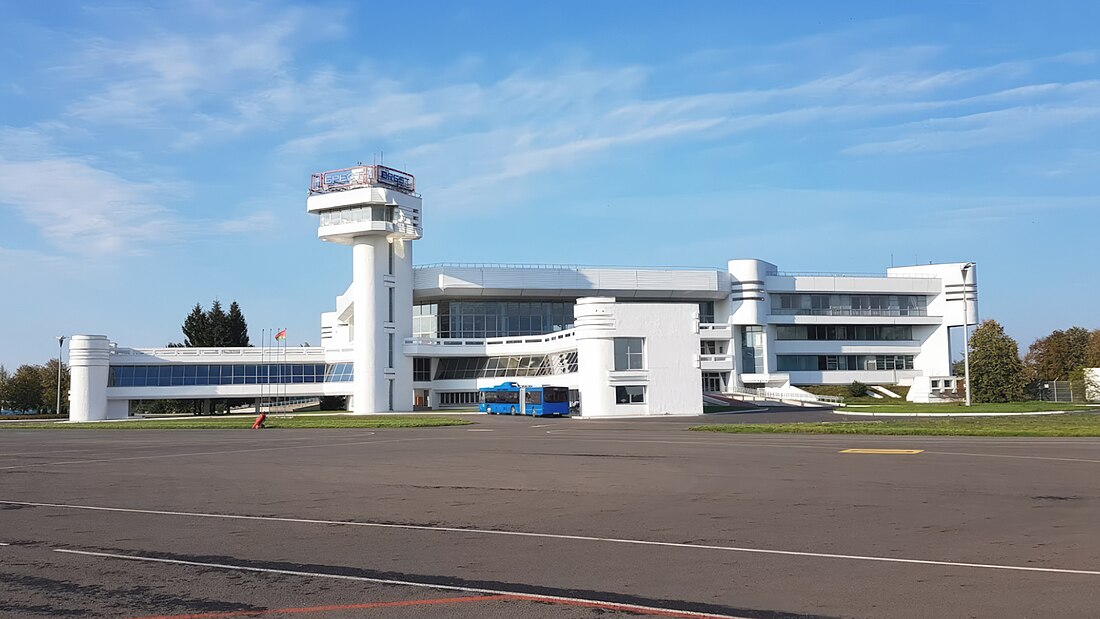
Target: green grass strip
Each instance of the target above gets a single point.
(1042, 425)
(244, 423)
(955, 408)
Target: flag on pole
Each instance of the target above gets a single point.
(281, 335)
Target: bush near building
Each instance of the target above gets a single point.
(996, 372)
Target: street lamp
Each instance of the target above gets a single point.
(60, 351)
(966, 326)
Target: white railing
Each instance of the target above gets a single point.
(720, 330)
(771, 394)
(566, 267)
(493, 341)
(847, 311)
(829, 274)
(273, 351)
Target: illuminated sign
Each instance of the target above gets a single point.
(350, 176)
(361, 176)
(395, 179)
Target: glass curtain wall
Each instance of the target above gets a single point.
(483, 319)
(752, 349)
(849, 305)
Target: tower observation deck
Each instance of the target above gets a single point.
(375, 210)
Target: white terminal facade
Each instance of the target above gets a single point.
(627, 341)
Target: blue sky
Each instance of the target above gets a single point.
(154, 158)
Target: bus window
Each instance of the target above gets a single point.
(556, 394)
(534, 397)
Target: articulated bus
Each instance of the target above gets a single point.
(514, 399)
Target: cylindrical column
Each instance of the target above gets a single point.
(366, 324)
(402, 324)
(89, 360)
(595, 325)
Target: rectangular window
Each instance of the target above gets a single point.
(389, 338)
(634, 394)
(629, 353)
(391, 393)
(390, 292)
(422, 369)
(391, 259)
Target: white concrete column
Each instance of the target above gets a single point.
(366, 281)
(403, 302)
(595, 325)
(89, 360)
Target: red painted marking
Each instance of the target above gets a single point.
(640, 610)
(317, 609)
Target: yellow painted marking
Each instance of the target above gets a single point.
(896, 452)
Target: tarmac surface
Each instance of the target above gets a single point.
(522, 517)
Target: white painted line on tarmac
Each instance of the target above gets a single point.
(544, 425)
(3, 544)
(479, 430)
(783, 445)
(535, 597)
(1015, 456)
(579, 538)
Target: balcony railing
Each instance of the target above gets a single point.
(847, 311)
(828, 274)
(491, 341)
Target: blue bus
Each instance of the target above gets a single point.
(514, 399)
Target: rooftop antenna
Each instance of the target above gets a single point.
(382, 157)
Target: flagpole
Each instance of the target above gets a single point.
(259, 373)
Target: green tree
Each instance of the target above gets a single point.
(24, 388)
(215, 328)
(4, 377)
(48, 378)
(237, 325)
(996, 372)
(1059, 354)
(1092, 351)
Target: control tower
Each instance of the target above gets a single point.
(376, 211)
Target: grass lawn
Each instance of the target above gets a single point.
(959, 407)
(1043, 425)
(273, 422)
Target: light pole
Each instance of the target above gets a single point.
(60, 352)
(966, 327)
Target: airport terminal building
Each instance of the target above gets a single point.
(625, 341)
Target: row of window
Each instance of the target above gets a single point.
(868, 333)
(796, 363)
(235, 374)
(483, 319)
(458, 398)
(490, 367)
(850, 304)
(356, 214)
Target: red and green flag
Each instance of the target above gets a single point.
(281, 335)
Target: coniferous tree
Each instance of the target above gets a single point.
(238, 327)
(996, 372)
(215, 328)
(217, 323)
(195, 328)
